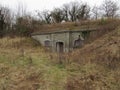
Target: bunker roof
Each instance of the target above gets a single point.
(62, 31)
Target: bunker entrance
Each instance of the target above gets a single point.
(59, 47)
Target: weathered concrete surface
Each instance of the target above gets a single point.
(68, 38)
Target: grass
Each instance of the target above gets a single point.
(93, 77)
(29, 66)
(96, 66)
(88, 24)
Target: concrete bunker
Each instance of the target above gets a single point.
(63, 40)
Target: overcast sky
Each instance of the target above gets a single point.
(41, 5)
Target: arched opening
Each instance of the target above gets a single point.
(78, 42)
(47, 43)
(60, 47)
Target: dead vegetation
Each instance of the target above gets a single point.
(17, 79)
(102, 24)
(24, 65)
(97, 65)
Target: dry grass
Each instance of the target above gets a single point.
(24, 65)
(101, 24)
(108, 45)
(97, 65)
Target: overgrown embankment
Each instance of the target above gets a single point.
(97, 65)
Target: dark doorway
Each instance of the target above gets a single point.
(59, 47)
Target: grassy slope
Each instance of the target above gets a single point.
(97, 65)
(25, 66)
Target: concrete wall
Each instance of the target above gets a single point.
(61, 37)
(67, 38)
(54, 38)
(42, 38)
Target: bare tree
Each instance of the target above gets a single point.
(76, 11)
(73, 10)
(57, 15)
(83, 12)
(40, 15)
(2, 22)
(5, 20)
(21, 9)
(24, 26)
(96, 11)
(45, 16)
(109, 8)
(66, 11)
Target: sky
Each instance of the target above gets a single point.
(41, 5)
